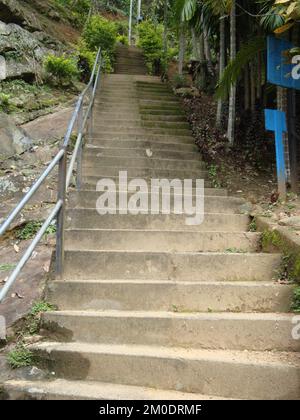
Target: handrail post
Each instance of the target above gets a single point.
(60, 249)
(90, 117)
(79, 156)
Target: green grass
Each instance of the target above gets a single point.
(20, 357)
(7, 267)
(30, 230)
(296, 300)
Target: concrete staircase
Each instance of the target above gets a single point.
(150, 308)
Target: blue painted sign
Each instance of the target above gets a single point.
(276, 121)
(281, 71)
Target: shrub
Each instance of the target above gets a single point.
(180, 80)
(62, 69)
(151, 42)
(100, 32)
(296, 300)
(4, 102)
(123, 39)
(20, 357)
(86, 60)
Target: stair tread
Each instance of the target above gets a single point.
(100, 391)
(262, 358)
(208, 316)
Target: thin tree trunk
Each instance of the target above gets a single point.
(253, 87)
(165, 31)
(221, 68)
(196, 54)
(247, 88)
(259, 77)
(232, 99)
(181, 50)
(207, 51)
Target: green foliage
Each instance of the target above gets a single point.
(253, 226)
(234, 69)
(122, 39)
(86, 60)
(213, 175)
(151, 42)
(100, 32)
(180, 80)
(270, 240)
(296, 300)
(20, 357)
(5, 105)
(40, 307)
(76, 11)
(30, 230)
(62, 70)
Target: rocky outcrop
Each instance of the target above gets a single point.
(23, 51)
(12, 11)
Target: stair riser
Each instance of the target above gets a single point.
(138, 140)
(139, 130)
(160, 241)
(140, 153)
(182, 297)
(163, 266)
(204, 376)
(143, 173)
(205, 332)
(133, 124)
(89, 219)
(89, 182)
(213, 204)
(98, 162)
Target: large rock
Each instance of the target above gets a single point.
(13, 11)
(23, 51)
(13, 140)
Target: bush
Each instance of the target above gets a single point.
(151, 42)
(4, 102)
(180, 81)
(100, 32)
(62, 69)
(123, 39)
(86, 60)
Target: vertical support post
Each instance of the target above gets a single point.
(79, 156)
(90, 116)
(60, 248)
(130, 22)
(139, 12)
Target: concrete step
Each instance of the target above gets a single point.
(163, 113)
(97, 161)
(90, 182)
(141, 152)
(164, 118)
(212, 204)
(214, 331)
(129, 265)
(112, 171)
(139, 123)
(83, 218)
(119, 143)
(180, 297)
(151, 139)
(164, 241)
(63, 390)
(199, 371)
(101, 128)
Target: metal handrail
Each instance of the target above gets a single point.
(83, 117)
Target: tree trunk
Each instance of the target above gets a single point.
(181, 50)
(232, 99)
(253, 87)
(221, 68)
(247, 88)
(165, 30)
(207, 51)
